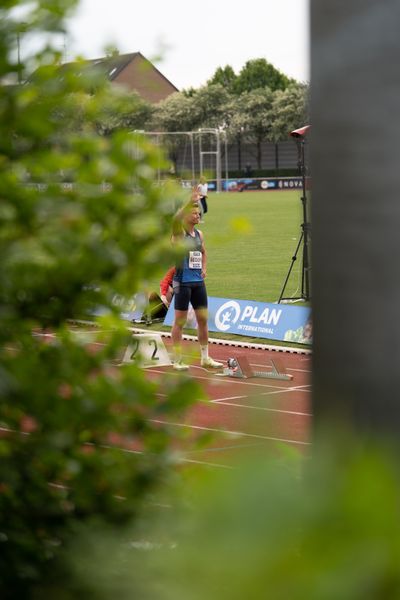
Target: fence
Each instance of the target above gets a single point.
(241, 159)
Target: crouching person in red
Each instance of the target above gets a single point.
(166, 290)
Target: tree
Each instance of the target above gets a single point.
(224, 76)
(66, 414)
(119, 111)
(290, 110)
(258, 73)
(111, 51)
(260, 104)
(210, 102)
(124, 111)
(253, 118)
(176, 113)
(203, 108)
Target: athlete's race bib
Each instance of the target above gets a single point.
(195, 259)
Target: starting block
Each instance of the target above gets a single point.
(241, 368)
(147, 350)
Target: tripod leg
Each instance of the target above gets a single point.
(305, 283)
(294, 258)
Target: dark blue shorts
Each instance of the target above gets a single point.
(194, 292)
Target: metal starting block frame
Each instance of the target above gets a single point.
(245, 371)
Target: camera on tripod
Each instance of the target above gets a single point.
(299, 135)
(301, 132)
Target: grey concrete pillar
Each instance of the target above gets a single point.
(355, 164)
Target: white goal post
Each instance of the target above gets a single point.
(196, 139)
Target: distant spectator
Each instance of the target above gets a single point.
(248, 171)
(202, 189)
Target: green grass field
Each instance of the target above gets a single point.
(250, 240)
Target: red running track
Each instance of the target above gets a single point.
(253, 415)
(247, 415)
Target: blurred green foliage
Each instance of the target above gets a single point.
(321, 527)
(66, 414)
(91, 502)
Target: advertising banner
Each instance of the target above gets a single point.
(260, 184)
(131, 309)
(255, 319)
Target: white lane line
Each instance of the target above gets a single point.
(287, 368)
(220, 380)
(302, 388)
(129, 451)
(238, 434)
(52, 335)
(237, 344)
(302, 352)
(7, 430)
(223, 401)
(228, 398)
(222, 448)
(204, 463)
(276, 410)
(229, 380)
(179, 460)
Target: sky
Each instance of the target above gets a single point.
(194, 39)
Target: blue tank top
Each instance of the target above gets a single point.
(189, 270)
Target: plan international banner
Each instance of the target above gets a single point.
(254, 319)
